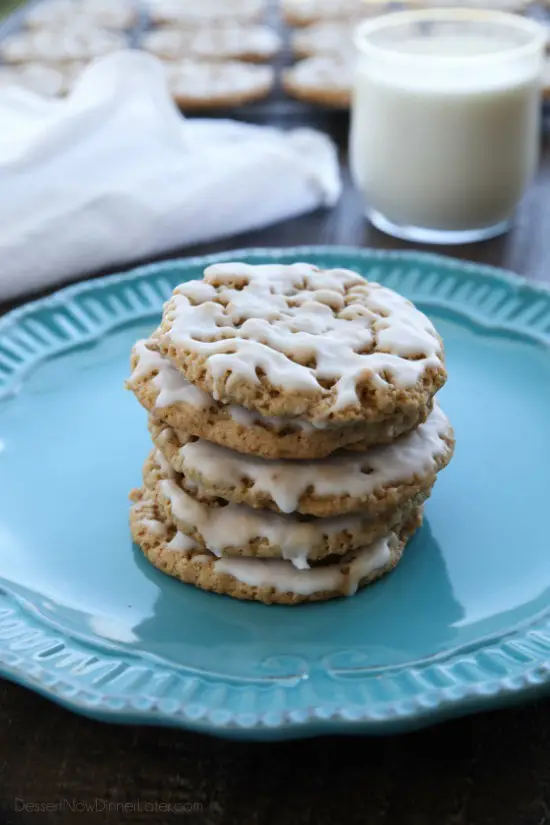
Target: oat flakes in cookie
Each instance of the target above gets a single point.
(170, 398)
(373, 482)
(255, 43)
(272, 581)
(295, 340)
(196, 84)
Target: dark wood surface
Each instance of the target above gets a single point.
(490, 768)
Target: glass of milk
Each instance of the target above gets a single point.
(445, 121)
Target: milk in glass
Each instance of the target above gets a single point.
(445, 123)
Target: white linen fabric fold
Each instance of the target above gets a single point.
(113, 174)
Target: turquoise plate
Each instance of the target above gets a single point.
(462, 624)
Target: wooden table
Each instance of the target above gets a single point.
(491, 768)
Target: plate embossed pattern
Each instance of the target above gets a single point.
(289, 693)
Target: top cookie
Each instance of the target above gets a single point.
(325, 345)
(165, 393)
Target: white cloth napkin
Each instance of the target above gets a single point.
(113, 174)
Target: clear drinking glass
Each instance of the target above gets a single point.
(445, 121)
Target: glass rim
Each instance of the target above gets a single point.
(390, 20)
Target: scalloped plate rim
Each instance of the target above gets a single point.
(404, 715)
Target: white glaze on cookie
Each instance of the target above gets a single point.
(182, 543)
(170, 383)
(173, 388)
(281, 575)
(143, 510)
(152, 525)
(249, 418)
(285, 578)
(329, 320)
(237, 525)
(164, 465)
(271, 580)
(344, 474)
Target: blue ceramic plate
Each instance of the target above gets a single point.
(461, 625)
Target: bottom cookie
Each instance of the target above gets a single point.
(271, 581)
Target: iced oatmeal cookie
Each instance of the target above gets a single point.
(170, 398)
(270, 581)
(373, 482)
(327, 346)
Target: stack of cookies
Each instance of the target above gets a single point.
(295, 433)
